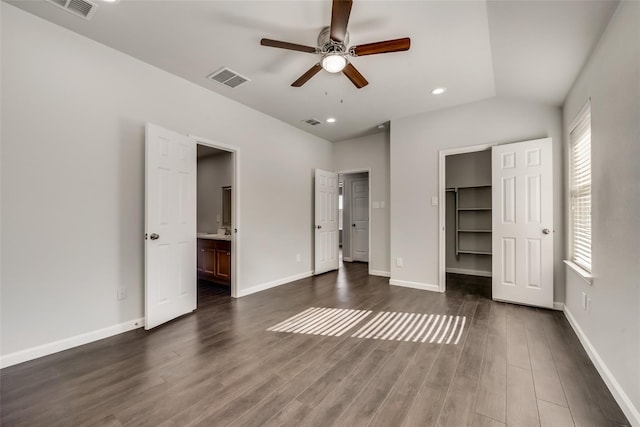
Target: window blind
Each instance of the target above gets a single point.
(580, 139)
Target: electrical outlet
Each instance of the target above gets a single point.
(399, 262)
(585, 301)
(297, 257)
(122, 293)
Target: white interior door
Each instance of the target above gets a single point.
(522, 222)
(360, 220)
(326, 221)
(170, 226)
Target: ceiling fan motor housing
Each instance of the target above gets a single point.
(327, 45)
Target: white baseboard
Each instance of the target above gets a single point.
(272, 284)
(414, 285)
(616, 390)
(380, 273)
(558, 306)
(469, 272)
(67, 343)
(347, 259)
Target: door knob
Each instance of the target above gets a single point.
(319, 227)
(353, 225)
(546, 231)
(154, 236)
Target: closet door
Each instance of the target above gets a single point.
(360, 220)
(522, 194)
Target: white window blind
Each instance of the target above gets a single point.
(580, 139)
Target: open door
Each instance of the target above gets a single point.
(522, 220)
(360, 220)
(326, 221)
(170, 226)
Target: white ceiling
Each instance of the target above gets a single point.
(529, 50)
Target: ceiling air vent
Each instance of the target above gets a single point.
(312, 122)
(228, 77)
(82, 8)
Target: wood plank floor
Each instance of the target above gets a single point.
(514, 366)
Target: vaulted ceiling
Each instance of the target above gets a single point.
(530, 50)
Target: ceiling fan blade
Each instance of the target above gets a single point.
(340, 12)
(386, 46)
(306, 76)
(354, 75)
(287, 45)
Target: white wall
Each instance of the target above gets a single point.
(415, 143)
(214, 172)
(611, 78)
(371, 152)
(73, 115)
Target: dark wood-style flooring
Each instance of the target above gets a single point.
(515, 366)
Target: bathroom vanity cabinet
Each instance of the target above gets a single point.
(214, 261)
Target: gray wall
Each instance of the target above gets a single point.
(415, 144)
(468, 169)
(371, 152)
(611, 78)
(214, 172)
(74, 111)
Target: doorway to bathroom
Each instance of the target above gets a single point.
(218, 225)
(214, 193)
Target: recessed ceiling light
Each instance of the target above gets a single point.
(111, 1)
(331, 120)
(380, 126)
(439, 91)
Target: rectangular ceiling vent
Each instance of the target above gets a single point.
(228, 77)
(312, 122)
(82, 8)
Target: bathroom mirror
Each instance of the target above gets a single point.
(226, 206)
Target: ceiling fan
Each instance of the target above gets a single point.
(332, 45)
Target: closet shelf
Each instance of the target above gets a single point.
(472, 199)
(474, 252)
(467, 186)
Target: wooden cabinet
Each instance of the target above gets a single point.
(214, 261)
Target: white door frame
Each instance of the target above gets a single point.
(235, 207)
(369, 175)
(442, 186)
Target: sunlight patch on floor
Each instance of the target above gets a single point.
(384, 325)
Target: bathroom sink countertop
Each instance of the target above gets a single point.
(212, 236)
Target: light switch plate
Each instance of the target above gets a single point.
(434, 201)
(376, 205)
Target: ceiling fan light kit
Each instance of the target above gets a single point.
(334, 62)
(332, 45)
